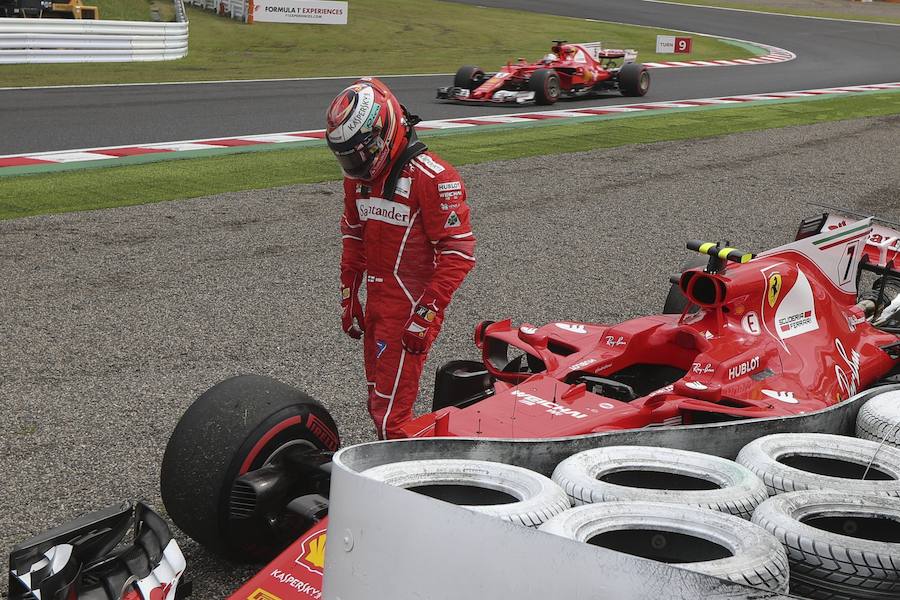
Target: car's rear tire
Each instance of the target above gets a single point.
(498, 490)
(634, 79)
(545, 85)
(468, 77)
(232, 428)
(695, 539)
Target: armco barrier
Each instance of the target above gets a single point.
(75, 40)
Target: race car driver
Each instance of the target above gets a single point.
(405, 228)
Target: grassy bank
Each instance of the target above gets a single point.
(856, 15)
(178, 179)
(382, 37)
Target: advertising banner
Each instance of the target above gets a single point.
(309, 12)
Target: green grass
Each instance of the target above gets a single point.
(382, 37)
(792, 11)
(132, 10)
(176, 179)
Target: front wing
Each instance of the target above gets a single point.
(499, 97)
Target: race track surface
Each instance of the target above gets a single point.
(830, 53)
(114, 320)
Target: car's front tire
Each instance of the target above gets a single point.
(468, 77)
(235, 427)
(545, 85)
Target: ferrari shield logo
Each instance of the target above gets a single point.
(774, 288)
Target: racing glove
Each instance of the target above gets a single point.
(353, 321)
(418, 332)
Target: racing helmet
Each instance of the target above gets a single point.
(366, 129)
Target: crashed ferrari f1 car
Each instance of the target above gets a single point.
(568, 71)
(771, 335)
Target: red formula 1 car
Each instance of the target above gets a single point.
(785, 332)
(568, 71)
(781, 333)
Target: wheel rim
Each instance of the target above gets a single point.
(644, 83)
(552, 88)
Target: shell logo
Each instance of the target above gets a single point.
(261, 594)
(314, 552)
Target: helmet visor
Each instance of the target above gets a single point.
(357, 161)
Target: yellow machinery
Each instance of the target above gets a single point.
(72, 9)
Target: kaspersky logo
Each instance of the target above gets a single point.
(312, 554)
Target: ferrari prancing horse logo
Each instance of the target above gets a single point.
(774, 288)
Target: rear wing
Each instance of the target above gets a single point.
(881, 247)
(596, 51)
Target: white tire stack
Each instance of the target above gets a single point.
(839, 545)
(706, 481)
(536, 498)
(737, 550)
(879, 419)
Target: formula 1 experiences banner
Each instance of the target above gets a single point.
(310, 12)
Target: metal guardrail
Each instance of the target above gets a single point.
(29, 41)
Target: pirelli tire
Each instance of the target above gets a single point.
(236, 426)
(468, 77)
(696, 539)
(840, 546)
(634, 80)
(536, 497)
(879, 419)
(788, 462)
(545, 85)
(643, 473)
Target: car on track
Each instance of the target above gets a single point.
(568, 71)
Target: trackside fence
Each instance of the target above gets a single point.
(236, 9)
(76, 41)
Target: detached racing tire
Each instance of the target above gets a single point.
(503, 491)
(879, 419)
(634, 79)
(839, 545)
(696, 539)
(236, 426)
(627, 473)
(468, 77)
(789, 462)
(545, 85)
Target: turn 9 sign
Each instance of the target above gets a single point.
(669, 44)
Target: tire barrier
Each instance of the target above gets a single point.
(697, 539)
(503, 491)
(632, 473)
(839, 545)
(789, 462)
(879, 419)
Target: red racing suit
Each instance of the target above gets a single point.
(415, 246)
